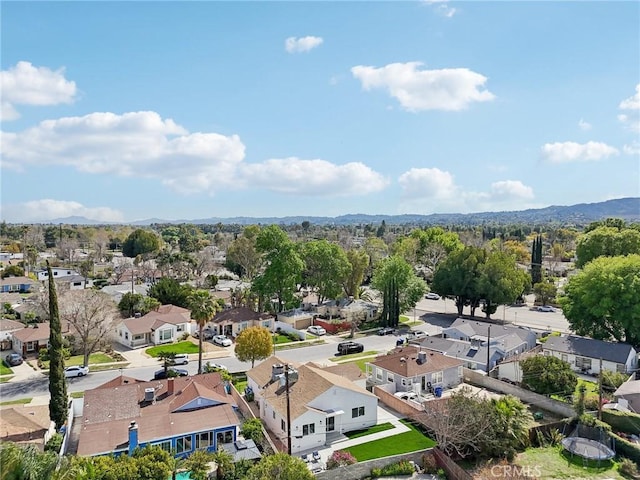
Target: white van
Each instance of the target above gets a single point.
(181, 359)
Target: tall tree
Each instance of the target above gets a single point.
(400, 287)
(546, 374)
(434, 245)
(254, 343)
(326, 268)
(140, 242)
(536, 260)
(170, 291)
(501, 281)
(606, 241)
(358, 264)
(203, 307)
(57, 382)
(243, 252)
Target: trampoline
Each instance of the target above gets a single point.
(587, 448)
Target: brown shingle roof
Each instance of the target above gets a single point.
(17, 281)
(350, 371)
(41, 333)
(7, 325)
(108, 412)
(168, 308)
(409, 367)
(20, 421)
(138, 326)
(261, 373)
(240, 314)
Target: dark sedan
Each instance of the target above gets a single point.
(13, 359)
(170, 372)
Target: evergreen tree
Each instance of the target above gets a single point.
(57, 381)
(536, 260)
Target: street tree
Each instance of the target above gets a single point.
(170, 291)
(400, 287)
(326, 268)
(58, 397)
(253, 343)
(377, 250)
(167, 359)
(500, 282)
(283, 270)
(132, 303)
(545, 291)
(606, 241)
(203, 308)
(243, 252)
(601, 301)
(547, 374)
(92, 314)
(358, 264)
(140, 242)
(434, 244)
(280, 466)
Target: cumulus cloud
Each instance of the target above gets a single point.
(133, 144)
(25, 84)
(302, 44)
(633, 102)
(428, 183)
(49, 209)
(633, 149)
(563, 152)
(508, 190)
(584, 125)
(631, 120)
(416, 90)
(312, 177)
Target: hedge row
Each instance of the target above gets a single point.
(626, 422)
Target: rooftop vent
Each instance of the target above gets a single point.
(277, 369)
(422, 357)
(149, 394)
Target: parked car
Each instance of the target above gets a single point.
(216, 366)
(316, 330)
(171, 372)
(222, 340)
(386, 331)
(206, 334)
(13, 359)
(546, 308)
(71, 372)
(345, 348)
(181, 359)
(416, 334)
(432, 296)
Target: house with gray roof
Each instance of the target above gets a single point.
(164, 325)
(584, 354)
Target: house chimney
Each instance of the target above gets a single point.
(133, 437)
(170, 382)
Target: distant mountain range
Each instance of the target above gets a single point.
(580, 214)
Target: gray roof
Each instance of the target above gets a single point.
(243, 450)
(590, 348)
(474, 327)
(460, 350)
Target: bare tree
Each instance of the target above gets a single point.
(100, 244)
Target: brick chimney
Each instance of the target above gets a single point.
(170, 386)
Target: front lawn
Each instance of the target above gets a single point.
(554, 462)
(362, 362)
(353, 356)
(21, 401)
(75, 360)
(180, 347)
(409, 322)
(375, 429)
(406, 442)
(5, 369)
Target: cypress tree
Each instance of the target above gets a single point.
(57, 382)
(536, 260)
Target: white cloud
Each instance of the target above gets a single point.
(138, 144)
(48, 209)
(441, 7)
(633, 102)
(633, 149)
(25, 84)
(302, 44)
(416, 90)
(509, 190)
(428, 183)
(312, 177)
(562, 152)
(584, 125)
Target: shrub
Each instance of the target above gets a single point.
(43, 354)
(429, 463)
(627, 468)
(54, 443)
(402, 467)
(183, 337)
(340, 458)
(554, 436)
(626, 422)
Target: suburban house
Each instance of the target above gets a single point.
(509, 340)
(181, 415)
(231, 322)
(321, 404)
(475, 356)
(30, 340)
(74, 282)
(510, 370)
(26, 424)
(412, 369)
(630, 392)
(57, 272)
(164, 325)
(7, 329)
(348, 309)
(117, 291)
(585, 354)
(296, 318)
(17, 284)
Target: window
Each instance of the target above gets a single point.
(389, 377)
(179, 327)
(357, 412)
(378, 374)
(309, 429)
(266, 324)
(165, 335)
(31, 346)
(244, 326)
(126, 335)
(138, 337)
(583, 363)
(564, 357)
(120, 332)
(166, 445)
(283, 426)
(225, 437)
(204, 440)
(406, 381)
(620, 368)
(460, 371)
(274, 414)
(183, 444)
(436, 377)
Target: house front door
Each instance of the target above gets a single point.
(331, 424)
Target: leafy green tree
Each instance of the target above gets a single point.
(224, 464)
(501, 281)
(86, 269)
(57, 382)
(189, 238)
(253, 343)
(132, 303)
(170, 291)
(243, 252)
(509, 428)
(547, 374)
(545, 291)
(140, 242)
(326, 268)
(252, 430)
(601, 301)
(358, 264)
(280, 466)
(167, 359)
(607, 241)
(283, 269)
(203, 308)
(377, 250)
(198, 464)
(434, 245)
(401, 288)
(152, 462)
(26, 462)
(12, 271)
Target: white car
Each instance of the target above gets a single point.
(180, 359)
(222, 340)
(432, 296)
(216, 366)
(316, 330)
(416, 334)
(546, 308)
(71, 372)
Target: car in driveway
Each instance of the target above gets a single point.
(13, 359)
(546, 308)
(416, 335)
(222, 340)
(171, 372)
(386, 331)
(316, 330)
(345, 348)
(432, 296)
(206, 334)
(76, 371)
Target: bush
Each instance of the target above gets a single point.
(183, 337)
(340, 458)
(626, 448)
(54, 443)
(627, 468)
(400, 468)
(626, 422)
(429, 463)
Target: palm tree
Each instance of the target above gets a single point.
(203, 307)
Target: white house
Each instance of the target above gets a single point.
(57, 272)
(585, 354)
(157, 327)
(321, 404)
(7, 329)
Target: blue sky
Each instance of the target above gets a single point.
(121, 111)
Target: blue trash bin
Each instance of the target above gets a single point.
(437, 391)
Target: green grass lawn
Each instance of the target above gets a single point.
(180, 347)
(409, 322)
(5, 378)
(21, 401)
(5, 369)
(375, 429)
(554, 463)
(76, 394)
(353, 356)
(278, 338)
(592, 389)
(361, 362)
(410, 441)
(94, 359)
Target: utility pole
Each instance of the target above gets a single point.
(489, 351)
(286, 383)
(600, 391)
